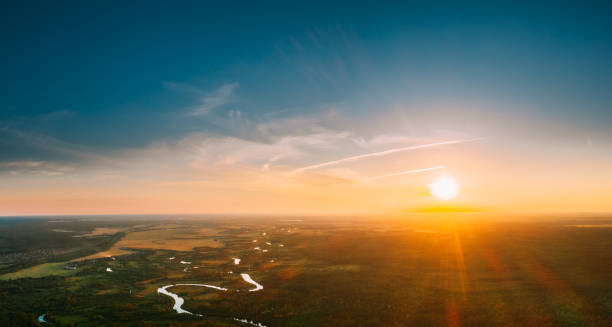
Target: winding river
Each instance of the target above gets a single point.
(179, 301)
(249, 280)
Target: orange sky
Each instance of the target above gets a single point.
(235, 176)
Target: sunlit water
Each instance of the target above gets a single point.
(248, 279)
(179, 301)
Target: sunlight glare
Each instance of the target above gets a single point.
(444, 187)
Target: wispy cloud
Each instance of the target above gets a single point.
(35, 167)
(51, 144)
(406, 172)
(221, 96)
(22, 164)
(381, 153)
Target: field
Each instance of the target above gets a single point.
(42, 270)
(319, 272)
(160, 237)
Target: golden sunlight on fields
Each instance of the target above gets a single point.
(166, 237)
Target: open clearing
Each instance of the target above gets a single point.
(45, 269)
(157, 238)
(177, 240)
(100, 231)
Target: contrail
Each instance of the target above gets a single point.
(381, 153)
(407, 172)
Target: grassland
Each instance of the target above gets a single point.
(100, 231)
(334, 273)
(42, 270)
(167, 237)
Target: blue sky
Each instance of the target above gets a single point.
(88, 80)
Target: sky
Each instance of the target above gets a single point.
(316, 108)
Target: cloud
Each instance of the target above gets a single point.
(35, 167)
(406, 172)
(271, 144)
(246, 152)
(380, 153)
(22, 164)
(220, 97)
(53, 145)
(207, 150)
(273, 147)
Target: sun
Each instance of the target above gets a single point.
(444, 187)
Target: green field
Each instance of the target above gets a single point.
(42, 270)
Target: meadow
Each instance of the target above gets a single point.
(319, 272)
